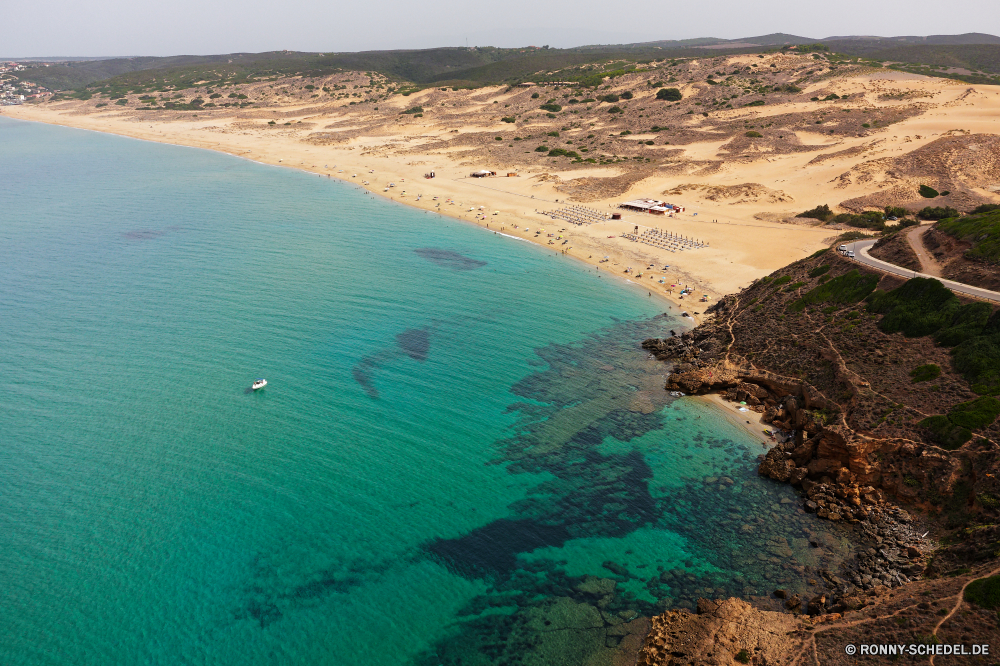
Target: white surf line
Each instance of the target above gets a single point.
(523, 240)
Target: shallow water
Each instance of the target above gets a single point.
(462, 454)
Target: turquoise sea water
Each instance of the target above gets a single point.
(462, 454)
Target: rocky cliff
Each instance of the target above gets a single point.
(853, 408)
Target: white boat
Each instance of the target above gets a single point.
(259, 384)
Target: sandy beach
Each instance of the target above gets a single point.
(749, 420)
(741, 207)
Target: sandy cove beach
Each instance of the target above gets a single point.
(739, 207)
(749, 420)
(740, 249)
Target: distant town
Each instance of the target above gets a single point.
(14, 90)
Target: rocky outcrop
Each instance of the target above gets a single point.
(722, 631)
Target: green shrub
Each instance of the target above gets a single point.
(215, 96)
(754, 135)
(925, 373)
(611, 99)
(784, 279)
(758, 102)
(988, 501)
(534, 95)
(975, 414)
(554, 108)
(921, 306)
(936, 213)
(562, 152)
(981, 230)
(507, 119)
(669, 94)
(948, 435)
(588, 100)
(818, 253)
(627, 95)
(542, 149)
(616, 109)
(822, 213)
(969, 321)
(819, 270)
(978, 359)
(984, 208)
(850, 287)
(896, 211)
(742, 656)
(868, 220)
(413, 110)
(927, 192)
(556, 134)
(984, 592)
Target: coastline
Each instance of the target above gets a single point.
(749, 421)
(692, 320)
(514, 206)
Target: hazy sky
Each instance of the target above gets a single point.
(172, 27)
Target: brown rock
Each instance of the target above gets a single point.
(714, 636)
(706, 606)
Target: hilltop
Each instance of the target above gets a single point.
(971, 57)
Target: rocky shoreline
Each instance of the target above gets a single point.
(826, 459)
(851, 399)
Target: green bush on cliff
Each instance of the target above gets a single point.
(955, 429)
(984, 592)
(925, 373)
(948, 435)
(819, 270)
(919, 307)
(975, 414)
(850, 287)
(742, 656)
(978, 359)
(982, 230)
(968, 322)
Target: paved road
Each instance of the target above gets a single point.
(861, 255)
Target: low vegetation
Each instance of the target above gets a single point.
(984, 592)
(850, 287)
(981, 230)
(925, 373)
(822, 213)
